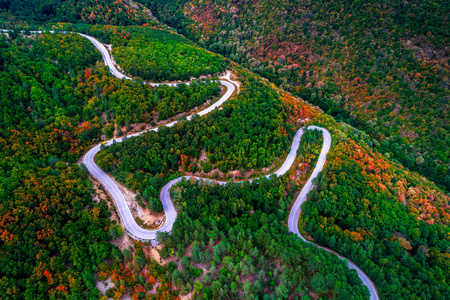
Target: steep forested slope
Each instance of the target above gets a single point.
(382, 66)
(250, 132)
(56, 100)
(113, 12)
(51, 230)
(390, 222)
(158, 55)
(238, 232)
(393, 223)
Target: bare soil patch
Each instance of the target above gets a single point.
(150, 219)
(105, 285)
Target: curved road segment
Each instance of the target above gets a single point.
(143, 234)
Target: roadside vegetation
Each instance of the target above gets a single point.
(113, 12)
(388, 220)
(382, 67)
(58, 99)
(158, 55)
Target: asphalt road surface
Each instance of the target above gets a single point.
(143, 234)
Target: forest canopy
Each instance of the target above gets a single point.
(57, 99)
(382, 78)
(158, 55)
(113, 12)
(380, 66)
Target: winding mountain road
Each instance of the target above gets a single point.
(143, 234)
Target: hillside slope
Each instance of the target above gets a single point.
(392, 222)
(113, 12)
(381, 66)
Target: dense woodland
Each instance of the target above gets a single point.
(392, 223)
(112, 12)
(153, 54)
(52, 234)
(400, 199)
(229, 241)
(380, 217)
(381, 66)
(56, 100)
(238, 233)
(372, 210)
(249, 133)
(158, 55)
